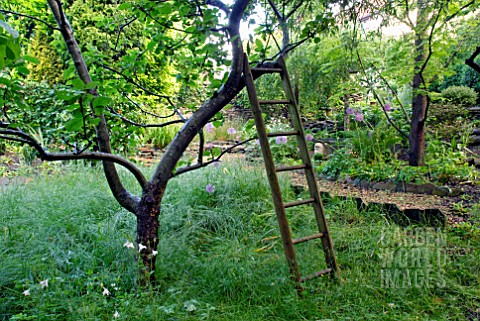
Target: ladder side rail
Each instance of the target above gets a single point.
(271, 174)
(309, 173)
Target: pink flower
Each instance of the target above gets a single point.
(349, 111)
(209, 127)
(387, 107)
(209, 146)
(281, 140)
(210, 188)
(231, 131)
(309, 137)
(359, 117)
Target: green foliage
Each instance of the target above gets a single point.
(159, 137)
(460, 95)
(370, 154)
(374, 145)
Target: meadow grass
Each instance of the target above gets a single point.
(220, 257)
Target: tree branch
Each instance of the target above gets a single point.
(124, 197)
(20, 136)
(190, 168)
(133, 82)
(146, 111)
(120, 29)
(453, 15)
(220, 5)
(131, 122)
(471, 61)
(378, 99)
(30, 17)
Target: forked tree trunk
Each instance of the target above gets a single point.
(147, 208)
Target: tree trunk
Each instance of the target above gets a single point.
(417, 130)
(416, 137)
(147, 213)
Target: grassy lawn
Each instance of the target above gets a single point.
(220, 257)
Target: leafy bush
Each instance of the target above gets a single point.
(374, 145)
(369, 155)
(460, 95)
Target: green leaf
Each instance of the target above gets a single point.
(95, 121)
(65, 95)
(216, 151)
(23, 70)
(101, 101)
(31, 59)
(77, 113)
(191, 29)
(91, 85)
(165, 9)
(5, 81)
(69, 72)
(124, 6)
(76, 83)
(258, 44)
(74, 124)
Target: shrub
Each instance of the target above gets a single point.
(460, 95)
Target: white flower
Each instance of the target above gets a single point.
(154, 253)
(44, 283)
(391, 305)
(105, 292)
(116, 314)
(129, 245)
(141, 247)
(26, 292)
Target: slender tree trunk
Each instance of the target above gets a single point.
(420, 99)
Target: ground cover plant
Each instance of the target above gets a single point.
(222, 259)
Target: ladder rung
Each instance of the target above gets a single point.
(267, 70)
(290, 168)
(292, 133)
(274, 102)
(315, 275)
(297, 203)
(308, 238)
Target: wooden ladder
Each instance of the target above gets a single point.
(314, 199)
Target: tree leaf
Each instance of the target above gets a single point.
(101, 101)
(74, 124)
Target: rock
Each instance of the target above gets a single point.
(322, 149)
(384, 186)
(420, 188)
(474, 140)
(364, 183)
(441, 191)
(454, 191)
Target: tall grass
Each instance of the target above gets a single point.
(220, 257)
